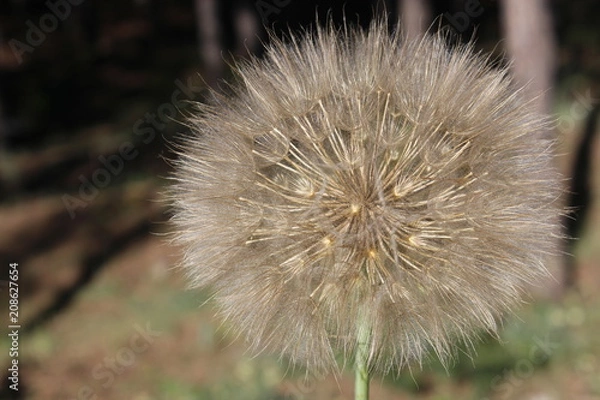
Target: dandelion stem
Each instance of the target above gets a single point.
(361, 361)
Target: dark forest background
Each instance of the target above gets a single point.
(92, 92)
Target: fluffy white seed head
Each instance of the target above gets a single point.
(353, 173)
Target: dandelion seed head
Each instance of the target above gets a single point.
(355, 173)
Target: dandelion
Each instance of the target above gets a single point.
(361, 194)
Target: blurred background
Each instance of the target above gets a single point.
(92, 92)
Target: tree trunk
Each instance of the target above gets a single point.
(209, 40)
(531, 45)
(414, 16)
(247, 29)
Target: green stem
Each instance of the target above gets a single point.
(361, 362)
